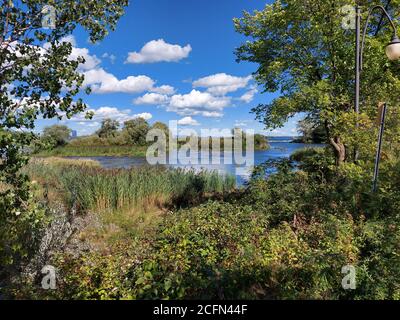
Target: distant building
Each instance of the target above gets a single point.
(74, 134)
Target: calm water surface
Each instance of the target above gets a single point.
(280, 147)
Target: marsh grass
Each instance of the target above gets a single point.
(94, 151)
(121, 204)
(87, 186)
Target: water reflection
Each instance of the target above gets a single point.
(280, 148)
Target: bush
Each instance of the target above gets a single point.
(55, 136)
(283, 237)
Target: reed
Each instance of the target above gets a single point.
(94, 151)
(89, 187)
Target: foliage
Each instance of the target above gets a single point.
(260, 142)
(163, 127)
(311, 132)
(303, 51)
(286, 236)
(136, 131)
(37, 79)
(295, 231)
(56, 136)
(131, 141)
(108, 128)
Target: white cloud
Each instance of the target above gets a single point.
(249, 95)
(213, 114)
(108, 113)
(104, 113)
(197, 103)
(168, 90)
(91, 61)
(144, 115)
(188, 121)
(70, 38)
(222, 83)
(104, 82)
(151, 99)
(243, 123)
(158, 51)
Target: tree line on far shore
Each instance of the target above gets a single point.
(111, 133)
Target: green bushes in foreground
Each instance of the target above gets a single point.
(285, 237)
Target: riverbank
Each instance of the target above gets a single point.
(102, 151)
(94, 151)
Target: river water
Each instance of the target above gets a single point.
(280, 147)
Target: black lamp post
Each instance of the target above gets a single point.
(393, 53)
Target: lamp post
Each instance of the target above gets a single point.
(393, 53)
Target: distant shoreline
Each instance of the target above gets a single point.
(101, 151)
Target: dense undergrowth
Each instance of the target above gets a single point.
(285, 237)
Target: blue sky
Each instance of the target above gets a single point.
(172, 60)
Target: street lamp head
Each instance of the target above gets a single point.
(393, 49)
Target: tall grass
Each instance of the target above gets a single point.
(91, 187)
(94, 151)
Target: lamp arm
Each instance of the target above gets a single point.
(366, 29)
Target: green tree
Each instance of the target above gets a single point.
(303, 50)
(37, 79)
(312, 132)
(109, 128)
(136, 131)
(56, 135)
(163, 127)
(260, 142)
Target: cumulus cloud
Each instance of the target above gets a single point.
(91, 61)
(242, 123)
(109, 113)
(188, 121)
(70, 38)
(222, 83)
(144, 115)
(103, 113)
(159, 51)
(103, 82)
(197, 103)
(191, 104)
(168, 90)
(151, 99)
(213, 114)
(249, 95)
(89, 124)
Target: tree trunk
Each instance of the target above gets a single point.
(340, 150)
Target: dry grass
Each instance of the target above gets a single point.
(65, 162)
